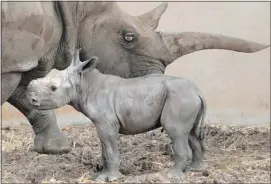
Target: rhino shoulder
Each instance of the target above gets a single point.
(25, 31)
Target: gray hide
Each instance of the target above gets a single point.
(129, 106)
(38, 36)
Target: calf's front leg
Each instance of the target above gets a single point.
(108, 135)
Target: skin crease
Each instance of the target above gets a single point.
(39, 36)
(128, 106)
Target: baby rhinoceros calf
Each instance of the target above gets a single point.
(128, 106)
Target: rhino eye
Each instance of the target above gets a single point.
(129, 37)
(53, 88)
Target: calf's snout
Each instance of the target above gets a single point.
(34, 101)
(30, 94)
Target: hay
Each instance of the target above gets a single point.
(234, 154)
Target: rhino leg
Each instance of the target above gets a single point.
(110, 154)
(178, 127)
(182, 154)
(9, 83)
(197, 152)
(49, 138)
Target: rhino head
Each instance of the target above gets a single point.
(54, 91)
(130, 46)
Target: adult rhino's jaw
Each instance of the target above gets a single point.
(148, 66)
(179, 44)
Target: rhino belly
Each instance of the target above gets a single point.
(140, 112)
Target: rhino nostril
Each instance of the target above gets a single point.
(35, 101)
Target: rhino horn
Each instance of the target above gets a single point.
(180, 44)
(151, 18)
(75, 53)
(76, 57)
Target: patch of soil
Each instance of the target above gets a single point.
(235, 154)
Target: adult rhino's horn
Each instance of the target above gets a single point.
(151, 18)
(180, 44)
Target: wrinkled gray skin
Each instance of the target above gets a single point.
(128, 106)
(38, 36)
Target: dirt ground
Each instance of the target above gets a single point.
(234, 155)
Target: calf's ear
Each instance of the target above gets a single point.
(88, 65)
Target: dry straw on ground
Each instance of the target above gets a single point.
(235, 154)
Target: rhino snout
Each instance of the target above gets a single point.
(34, 101)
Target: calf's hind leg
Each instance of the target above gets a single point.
(182, 154)
(178, 117)
(197, 163)
(178, 132)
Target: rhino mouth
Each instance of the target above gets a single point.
(150, 66)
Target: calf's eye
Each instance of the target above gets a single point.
(129, 37)
(53, 88)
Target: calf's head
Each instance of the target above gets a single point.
(55, 91)
(129, 46)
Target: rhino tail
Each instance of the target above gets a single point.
(198, 129)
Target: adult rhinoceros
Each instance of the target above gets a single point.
(38, 36)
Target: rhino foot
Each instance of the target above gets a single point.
(106, 176)
(51, 142)
(175, 174)
(198, 166)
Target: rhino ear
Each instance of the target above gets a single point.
(151, 18)
(88, 65)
